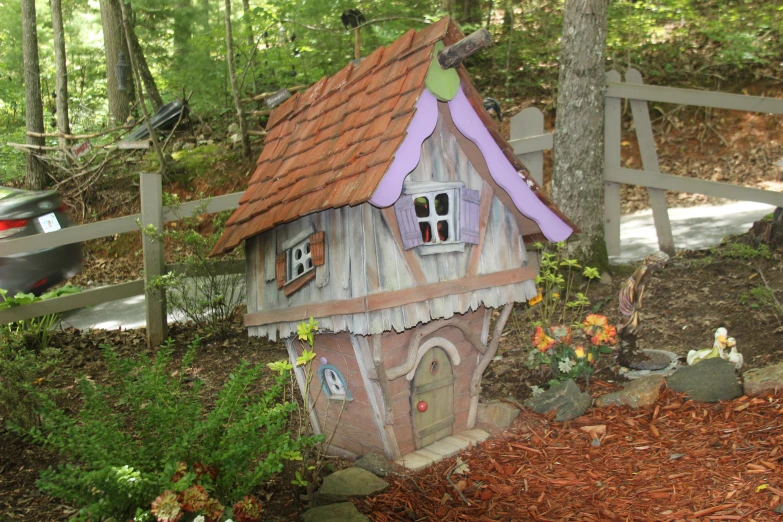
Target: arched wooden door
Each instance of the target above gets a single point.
(433, 384)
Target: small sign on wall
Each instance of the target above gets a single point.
(81, 149)
(277, 98)
(141, 144)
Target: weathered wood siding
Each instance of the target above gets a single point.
(362, 258)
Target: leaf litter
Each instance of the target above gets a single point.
(708, 462)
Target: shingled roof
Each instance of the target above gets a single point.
(332, 145)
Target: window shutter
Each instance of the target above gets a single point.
(280, 270)
(317, 254)
(469, 215)
(408, 223)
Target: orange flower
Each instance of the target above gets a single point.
(599, 330)
(542, 341)
(562, 334)
(535, 300)
(580, 351)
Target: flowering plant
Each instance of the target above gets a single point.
(555, 347)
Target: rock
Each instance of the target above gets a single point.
(711, 380)
(177, 146)
(499, 413)
(341, 512)
(762, 380)
(348, 483)
(606, 279)
(566, 398)
(638, 393)
(233, 128)
(374, 463)
(189, 146)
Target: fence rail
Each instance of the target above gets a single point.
(529, 140)
(152, 213)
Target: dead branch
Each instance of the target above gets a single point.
(264, 95)
(77, 136)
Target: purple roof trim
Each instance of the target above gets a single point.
(407, 156)
(503, 172)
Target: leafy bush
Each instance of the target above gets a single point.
(21, 372)
(35, 331)
(134, 434)
(201, 290)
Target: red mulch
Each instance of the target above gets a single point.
(676, 460)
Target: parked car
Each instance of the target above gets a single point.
(26, 213)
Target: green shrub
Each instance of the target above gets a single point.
(132, 436)
(21, 372)
(200, 290)
(36, 331)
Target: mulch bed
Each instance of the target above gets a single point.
(675, 460)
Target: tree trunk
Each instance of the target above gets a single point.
(114, 43)
(35, 173)
(182, 26)
(471, 12)
(577, 179)
(143, 69)
(234, 86)
(250, 44)
(125, 26)
(61, 88)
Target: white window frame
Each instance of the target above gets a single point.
(429, 190)
(301, 243)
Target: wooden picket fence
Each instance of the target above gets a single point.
(152, 213)
(529, 140)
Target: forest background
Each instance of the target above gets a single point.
(720, 45)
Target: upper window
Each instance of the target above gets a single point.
(437, 216)
(435, 212)
(298, 260)
(296, 264)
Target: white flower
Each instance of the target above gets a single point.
(565, 366)
(536, 390)
(199, 518)
(530, 183)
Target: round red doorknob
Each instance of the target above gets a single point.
(422, 406)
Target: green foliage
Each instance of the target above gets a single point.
(135, 433)
(22, 370)
(35, 331)
(761, 297)
(201, 291)
(741, 251)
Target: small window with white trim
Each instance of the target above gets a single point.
(437, 216)
(298, 260)
(333, 383)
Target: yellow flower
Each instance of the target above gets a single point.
(535, 300)
(590, 357)
(580, 351)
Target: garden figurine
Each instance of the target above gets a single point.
(734, 356)
(631, 295)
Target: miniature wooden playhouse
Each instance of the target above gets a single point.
(386, 205)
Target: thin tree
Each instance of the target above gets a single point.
(141, 61)
(61, 84)
(35, 172)
(246, 153)
(153, 137)
(114, 43)
(577, 179)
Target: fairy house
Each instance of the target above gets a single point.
(387, 206)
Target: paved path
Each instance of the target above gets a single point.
(693, 228)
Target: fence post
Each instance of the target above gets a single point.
(644, 136)
(530, 122)
(612, 134)
(151, 189)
